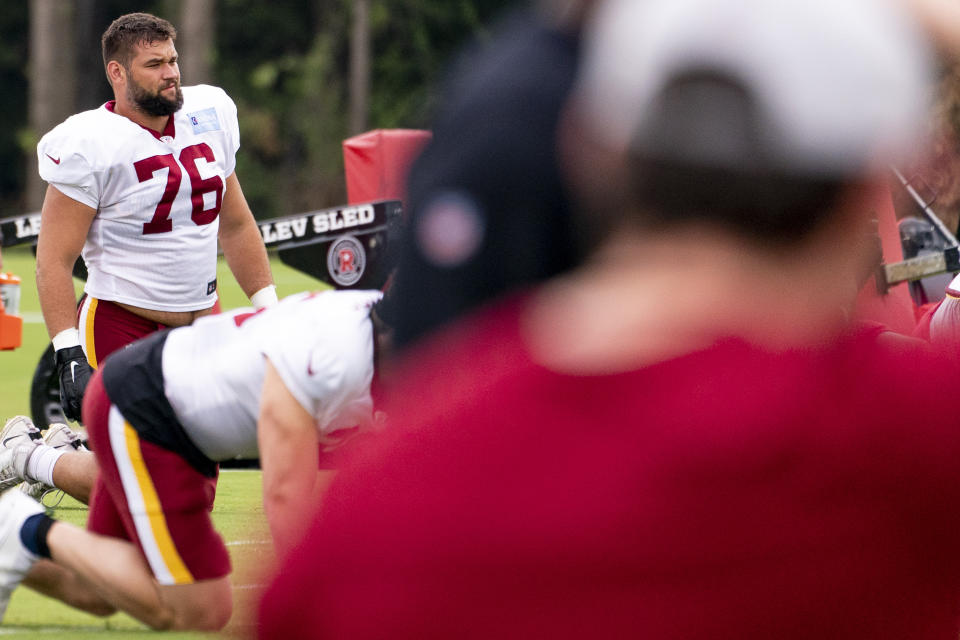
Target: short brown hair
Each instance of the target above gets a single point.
(130, 30)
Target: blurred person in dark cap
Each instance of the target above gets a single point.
(685, 437)
(488, 209)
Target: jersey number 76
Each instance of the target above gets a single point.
(161, 222)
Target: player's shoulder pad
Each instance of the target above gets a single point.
(330, 312)
(86, 124)
(346, 300)
(200, 96)
(78, 145)
(81, 129)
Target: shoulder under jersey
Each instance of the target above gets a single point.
(321, 344)
(153, 242)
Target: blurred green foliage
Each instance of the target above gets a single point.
(290, 84)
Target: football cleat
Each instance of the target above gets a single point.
(60, 436)
(19, 429)
(15, 559)
(18, 438)
(13, 464)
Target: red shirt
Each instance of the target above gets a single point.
(728, 493)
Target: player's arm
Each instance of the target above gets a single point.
(289, 457)
(243, 246)
(64, 224)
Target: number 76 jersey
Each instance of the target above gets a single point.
(153, 242)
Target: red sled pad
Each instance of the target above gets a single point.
(377, 163)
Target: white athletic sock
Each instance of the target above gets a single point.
(41, 463)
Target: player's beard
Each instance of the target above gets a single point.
(154, 104)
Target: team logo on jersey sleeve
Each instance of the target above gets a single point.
(346, 261)
(204, 120)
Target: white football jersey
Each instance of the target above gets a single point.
(153, 242)
(321, 345)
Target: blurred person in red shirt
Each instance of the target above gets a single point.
(685, 437)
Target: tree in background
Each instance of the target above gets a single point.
(52, 79)
(13, 104)
(196, 22)
(359, 66)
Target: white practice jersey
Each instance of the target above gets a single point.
(321, 344)
(153, 242)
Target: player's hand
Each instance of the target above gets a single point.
(75, 374)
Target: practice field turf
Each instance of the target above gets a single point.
(238, 513)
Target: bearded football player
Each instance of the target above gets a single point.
(142, 188)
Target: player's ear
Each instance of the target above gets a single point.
(115, 72)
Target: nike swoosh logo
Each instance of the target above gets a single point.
(55, 160)
(73, 365)
(31, 434)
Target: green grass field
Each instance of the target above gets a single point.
(238, 513)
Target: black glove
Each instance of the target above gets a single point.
(75, 374)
